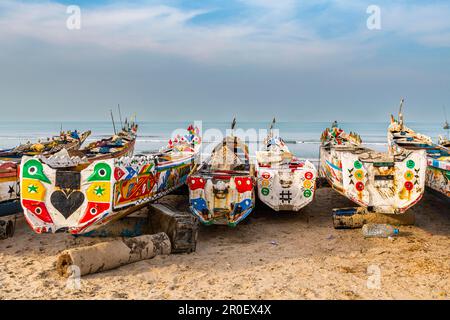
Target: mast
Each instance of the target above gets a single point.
(120, 116)
(114, 125)
(400, 114)
(446, 125)
(233, 124)
(271, 126)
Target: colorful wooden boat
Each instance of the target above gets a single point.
(116, 146)
(285, 182)
(438, 170)
(81, 197)
(10, 160)
(221, 189)
(443, 141)
(381, 182)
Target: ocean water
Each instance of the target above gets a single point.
(303, 138)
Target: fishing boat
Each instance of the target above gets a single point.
(285, 182)
(221, 189)
(10, 160)
(70, 140)
(118, 145)
(388, 183)
(90, 192)
(438, 155)
(444, 141)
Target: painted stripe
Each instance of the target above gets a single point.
(333, 166)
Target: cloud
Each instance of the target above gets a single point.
(271, 35)
(427, 24)
(171, 59)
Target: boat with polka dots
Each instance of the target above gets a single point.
(284, 182)
(382, 182)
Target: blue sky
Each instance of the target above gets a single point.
(211, 60)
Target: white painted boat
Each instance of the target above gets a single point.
(221, 190)
(400, 137)
(381, 182)
(285, 182)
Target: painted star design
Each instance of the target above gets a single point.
(11, 191)
(32, 188)
(99, 191)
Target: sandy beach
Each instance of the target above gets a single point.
(272, 256)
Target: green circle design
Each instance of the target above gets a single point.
(357, 164)
(265, 191)
(307, 193)
(410, 164)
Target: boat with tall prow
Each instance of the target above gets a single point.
(285, 182)
(221, 189)
(387, 183)
(438, 170)
(88, 192)
(9, 165)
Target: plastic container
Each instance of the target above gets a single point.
(374, 230)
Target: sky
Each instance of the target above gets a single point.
(305, 60)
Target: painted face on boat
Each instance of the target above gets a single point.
(67, 199)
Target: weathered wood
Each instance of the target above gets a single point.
(350, 218)
(7, 226)
(180, 225)
(134, 225)
(109, 255)
(171, 216)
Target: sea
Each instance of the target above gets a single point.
(303, 138)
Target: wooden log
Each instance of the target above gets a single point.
(109, 255)
(351, 218)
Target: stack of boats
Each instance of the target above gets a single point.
(63, 187)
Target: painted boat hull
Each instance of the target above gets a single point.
(81, 201)
(9, 184)
(438, 160)
(222, 189)
(386, 187)
(438, 176)
(286, 189)
(9, 176)
(221, 198)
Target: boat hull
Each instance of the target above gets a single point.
(221, 198)
(438, 170)
(385, 186)
(9, 176)
(438, 176)
(79, 201)
(287, 189)
(9, 184)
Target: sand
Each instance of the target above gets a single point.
(271, 256)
